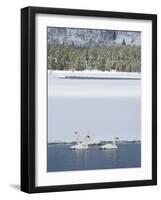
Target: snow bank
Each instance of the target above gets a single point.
(92, 74)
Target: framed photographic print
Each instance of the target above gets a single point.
(88, 99)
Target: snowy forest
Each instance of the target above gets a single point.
(70, 49)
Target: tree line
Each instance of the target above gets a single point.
(122, 57)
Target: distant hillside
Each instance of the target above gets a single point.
(91, 38)
(87, 49)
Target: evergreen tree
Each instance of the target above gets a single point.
(120, 57)
(123, 42)
(101, 61)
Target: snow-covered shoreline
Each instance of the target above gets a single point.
(93, 74)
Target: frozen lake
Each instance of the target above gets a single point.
(106, 108)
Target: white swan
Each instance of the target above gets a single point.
(110, 146)
(92, 142)
(81, 145)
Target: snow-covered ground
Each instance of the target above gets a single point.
(93, 73)
(109, 84)
(106, 108)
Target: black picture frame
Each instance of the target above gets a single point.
(28, 98)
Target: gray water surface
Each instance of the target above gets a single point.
(62, 158)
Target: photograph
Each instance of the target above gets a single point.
(93, 99)
(88, 99)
